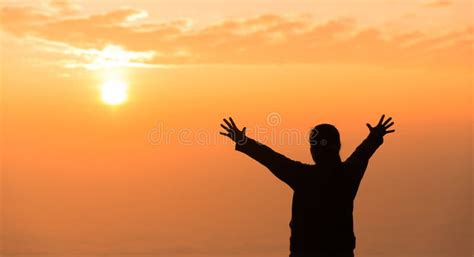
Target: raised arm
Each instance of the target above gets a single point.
(360, 157)
(281, 166)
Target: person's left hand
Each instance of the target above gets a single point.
(382, 127)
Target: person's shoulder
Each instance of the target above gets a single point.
(349, 164)
(307, 166)
(351, 168)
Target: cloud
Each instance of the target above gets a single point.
(65, 7)
(264, 39)
(439, 3)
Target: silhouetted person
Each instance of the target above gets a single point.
(323, 199)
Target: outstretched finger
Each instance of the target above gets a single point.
(389, 125)
(369, 126)
(225, 134)
(233, 123)
(228, 123)
(226, 128)
(387, 121)
(389, 131)
(381, 120)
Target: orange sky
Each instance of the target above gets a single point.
(151, 176)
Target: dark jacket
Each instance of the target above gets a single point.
(323, 198)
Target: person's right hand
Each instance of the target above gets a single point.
(232, 131)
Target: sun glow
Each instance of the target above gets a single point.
(114, 92)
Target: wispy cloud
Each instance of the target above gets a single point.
(264, 39)
(65, 7)
(439, 3)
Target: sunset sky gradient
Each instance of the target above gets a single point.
(152, 177)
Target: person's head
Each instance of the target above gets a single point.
(325, 143)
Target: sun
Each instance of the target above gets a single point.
(114, 92)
